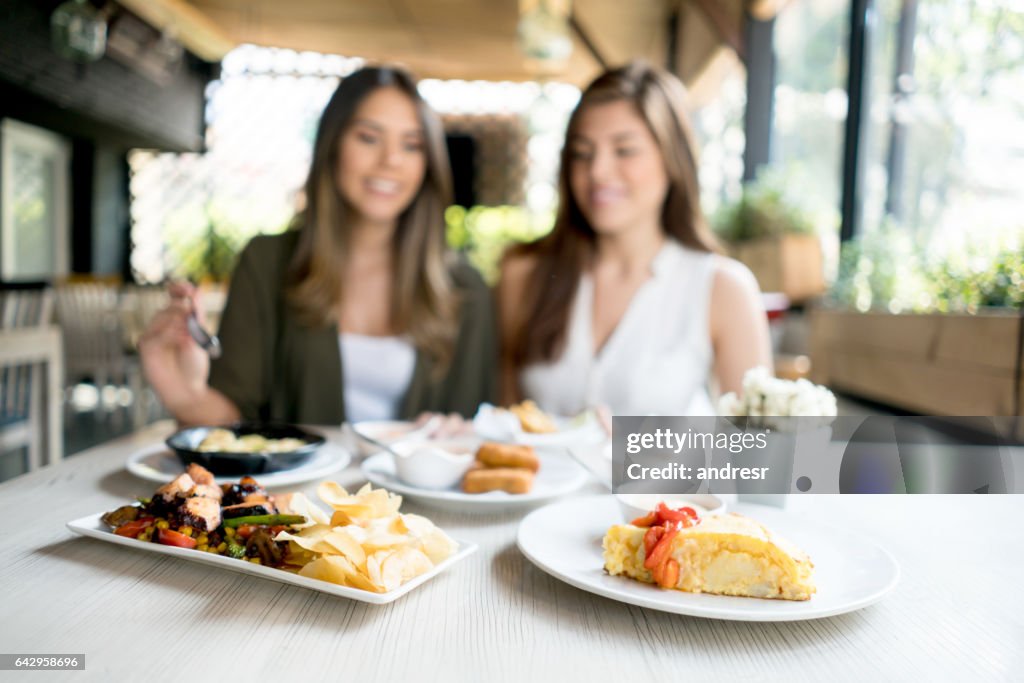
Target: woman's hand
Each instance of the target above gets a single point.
(174, 365)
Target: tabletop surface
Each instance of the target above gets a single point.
(957, 612)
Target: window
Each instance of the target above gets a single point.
(811, 39)
(35, 177)
(945, 126)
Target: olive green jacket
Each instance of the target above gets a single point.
(275, 368)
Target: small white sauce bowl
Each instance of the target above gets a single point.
(634, 505)
(433, 464)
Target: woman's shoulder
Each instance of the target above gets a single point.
(267, 258)
(267, 249)
(731, 278)
(735, 295)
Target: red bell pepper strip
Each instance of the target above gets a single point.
(169, 537)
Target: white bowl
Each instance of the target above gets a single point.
(380, 431)
(434, 464)
(635, 505)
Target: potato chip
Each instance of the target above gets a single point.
(332, 493)
(397, 525)
(348, 546)
(392, 569)
(436, 544)
(298, 504)
(365, 505)
(350, 515)
(336, 569)
(297, 556)
(379, 536)
(310, 538)
(365, 543)
(418, 525)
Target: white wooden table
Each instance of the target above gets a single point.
(957, 614)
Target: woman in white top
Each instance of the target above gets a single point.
(359, 311)
(626, 303)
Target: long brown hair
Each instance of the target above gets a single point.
(423, 303)
(562, 256)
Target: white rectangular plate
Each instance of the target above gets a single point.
(92, 527)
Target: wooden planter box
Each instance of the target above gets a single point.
(932, 364)
(791, 264)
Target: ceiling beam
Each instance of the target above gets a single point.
(584, 37)
(189, 26)
(729, 31)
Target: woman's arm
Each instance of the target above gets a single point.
(739, 324)
(176, 367)
(515, 273)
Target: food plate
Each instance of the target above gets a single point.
(159, 464)
(559, 475)
(571, 431)
(496, 424)
(236, 459)
(92, 527)
(564, 540)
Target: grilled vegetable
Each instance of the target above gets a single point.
(235, 550)
(268, 520)
(134, 528)
(262, 545)
(169, 537)
(121, 515)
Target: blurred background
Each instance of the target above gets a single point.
(864, 157)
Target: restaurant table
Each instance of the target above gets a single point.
(957, 612)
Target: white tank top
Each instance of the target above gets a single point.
(657, 360)
(376, 372)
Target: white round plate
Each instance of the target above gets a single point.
(559, 475)
(572, 431)
(157, 463)
(564, 540)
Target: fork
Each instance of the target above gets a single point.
(208, 342)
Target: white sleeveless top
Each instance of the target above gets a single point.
(377, 373)
(657, 360)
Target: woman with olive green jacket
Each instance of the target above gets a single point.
(358, 313)
(275, 368)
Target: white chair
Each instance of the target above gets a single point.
(94, 340)
(31, 377)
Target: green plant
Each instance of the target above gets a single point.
(768, 207)
(887, 270)
(203, 244)
(967, 281)
(484, 232)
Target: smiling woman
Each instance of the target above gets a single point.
(358, 312)
(626, 303)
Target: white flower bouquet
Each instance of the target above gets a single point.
(765, 397)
